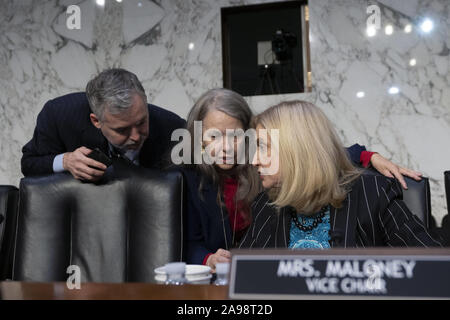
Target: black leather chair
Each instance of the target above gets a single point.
(447, 189)
(416, 197)
(9, 196)
(446, 219)
(117, 231)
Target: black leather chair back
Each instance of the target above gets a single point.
(447, 189)
(9, 196)
(116, 231)
(417, 197)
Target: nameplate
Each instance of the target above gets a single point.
(340, 274)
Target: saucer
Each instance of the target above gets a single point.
(191, 270)
(161, 278)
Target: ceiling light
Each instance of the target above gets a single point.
(371, 31)
(360, 94)
(426, 25)
(389, 30)
(408, 28)
(393, 90)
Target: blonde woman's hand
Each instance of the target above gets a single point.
(221, 255)
(391, 170)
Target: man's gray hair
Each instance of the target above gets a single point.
(113, 89)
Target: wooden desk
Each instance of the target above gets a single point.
(12, 290)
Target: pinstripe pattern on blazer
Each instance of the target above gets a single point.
(64, 125)
(372, 215)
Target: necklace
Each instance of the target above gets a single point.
(316, 220)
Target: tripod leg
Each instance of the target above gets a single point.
(300, 85)
(261, 83)
(271, 85)
(277, 85)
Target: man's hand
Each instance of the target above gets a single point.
(221, 255)
(391, 170)
(81, 167)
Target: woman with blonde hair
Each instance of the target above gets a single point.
(317, 198)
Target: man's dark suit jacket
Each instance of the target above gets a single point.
(372, 215)
(64, 125)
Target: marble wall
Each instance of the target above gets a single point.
(174, 46)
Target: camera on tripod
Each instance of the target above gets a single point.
(282, 44)
(279, 73)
